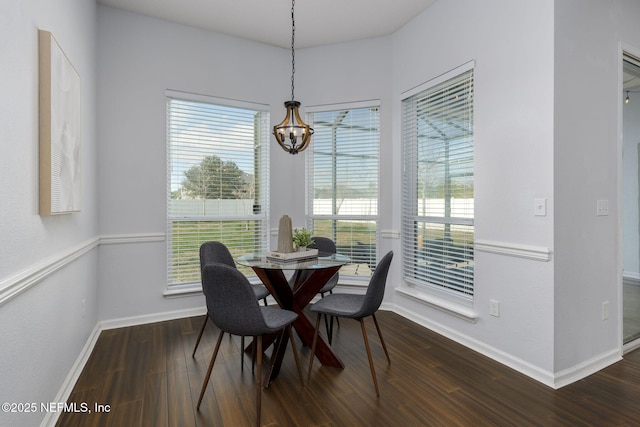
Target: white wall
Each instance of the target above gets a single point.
(512, 46)
(588, 167)
(45, 327)
(140, 58)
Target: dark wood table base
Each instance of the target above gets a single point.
(295, 296)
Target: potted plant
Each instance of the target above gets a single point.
(302, 238)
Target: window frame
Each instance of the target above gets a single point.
(348, 273)
(416, 274)
(260, 211)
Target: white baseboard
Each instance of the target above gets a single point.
(540, 375)
(69, 383)
(548, 378)
(586, 368)
(554, 380)
(151, 318)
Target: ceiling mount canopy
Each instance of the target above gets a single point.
(292, 133)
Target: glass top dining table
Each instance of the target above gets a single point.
(307, 277)
(323, 260)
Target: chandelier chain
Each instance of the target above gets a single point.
(293, 51)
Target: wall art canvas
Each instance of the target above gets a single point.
(60, 133)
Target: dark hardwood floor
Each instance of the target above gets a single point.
(148, 378)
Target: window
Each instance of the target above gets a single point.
(342, 179)
(218, 180)
(438, 187)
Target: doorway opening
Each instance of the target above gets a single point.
(631, 199)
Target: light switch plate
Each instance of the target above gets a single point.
(494, 308)
(602, 207)
(540, 207)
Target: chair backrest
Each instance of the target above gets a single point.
(215, 252)
(231, 302)
(323, 244)
(375, 291)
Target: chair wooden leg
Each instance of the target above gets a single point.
(313, 345)
(331, 327)
(253, 356)
(204, 324)
(295, 354)
(326, 327)
(242, 353)
(328, 321)
(258, 341)
(337, 318)
(366, 344)
(206, 378)
(384, 346)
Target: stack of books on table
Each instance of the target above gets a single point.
(292, 256)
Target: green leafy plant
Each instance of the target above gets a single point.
(302, 237)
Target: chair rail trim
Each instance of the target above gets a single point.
(19, 282)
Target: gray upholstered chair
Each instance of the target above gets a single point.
(218, 252)
(233, 308)
(326, 245)
(357, 307)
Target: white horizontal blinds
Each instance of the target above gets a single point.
(217, 182)
(438, 188)
(343, 179)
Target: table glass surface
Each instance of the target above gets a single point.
(323, 260)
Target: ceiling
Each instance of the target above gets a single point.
(317, 22)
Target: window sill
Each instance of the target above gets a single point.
(353, 284)
(465, 313)
(179, 291)
(183, 291)
(345, 282)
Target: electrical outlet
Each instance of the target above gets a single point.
(605, 310)
(494, 308)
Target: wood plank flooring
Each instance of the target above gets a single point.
(148, 377)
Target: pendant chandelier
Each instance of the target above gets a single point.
(292, 133)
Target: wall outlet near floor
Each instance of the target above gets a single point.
(494, 308)
(605, 310)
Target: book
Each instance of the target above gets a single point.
(292, 256)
